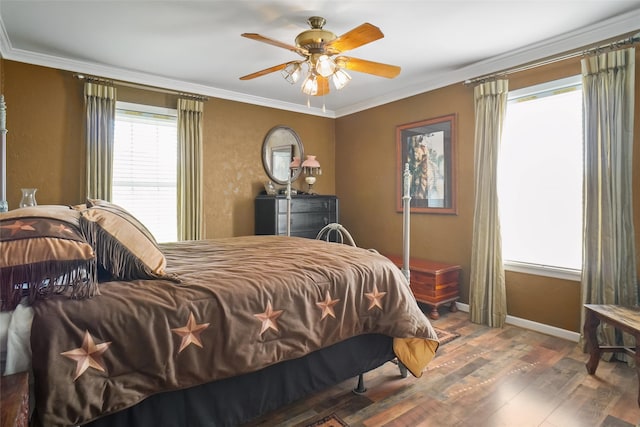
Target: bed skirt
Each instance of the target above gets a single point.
(237, 400)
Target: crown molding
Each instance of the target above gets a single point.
(571, 41)
(5, 44)
(144, 79)
(575, 40)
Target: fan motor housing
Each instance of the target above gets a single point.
(314, 40)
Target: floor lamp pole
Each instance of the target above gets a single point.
(4, 205)
(289, 205)
(406, 212)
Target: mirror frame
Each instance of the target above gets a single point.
(281, 137)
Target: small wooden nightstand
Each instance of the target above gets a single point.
(14, 400)
(433, 283)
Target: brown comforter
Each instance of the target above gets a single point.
(243, 303)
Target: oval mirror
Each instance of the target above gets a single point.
(279, 148)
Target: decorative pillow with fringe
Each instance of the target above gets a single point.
(124, 246)
(43, 252)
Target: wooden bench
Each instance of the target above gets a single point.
(626, 319)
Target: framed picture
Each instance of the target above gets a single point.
(429, 147)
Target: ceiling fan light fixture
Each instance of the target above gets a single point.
(292, 72)
(322, 50)
(325, 66)
(310, 85)
(340, 78)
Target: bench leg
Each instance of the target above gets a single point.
(638, 364)
(590, 327)
(592, 320)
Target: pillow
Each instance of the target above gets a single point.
(18, 340)
(5, 318)
(124, 246)
(43, 251)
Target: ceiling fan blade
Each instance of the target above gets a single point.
(263, 72)
(369, 67)
(361, 35)
(258, 37)
(323, 86)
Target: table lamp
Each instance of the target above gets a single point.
(311, 168)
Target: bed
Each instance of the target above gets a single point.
(199, 333)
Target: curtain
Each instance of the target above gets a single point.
(190, 207)
(100, 109)
(609, 261)
(487, 294)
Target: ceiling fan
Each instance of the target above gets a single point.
(321, 50)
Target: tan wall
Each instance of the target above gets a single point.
(366, 179)
(44, 141)
(366, 185)
(233, 159)
(45, 147)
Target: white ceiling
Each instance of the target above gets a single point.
(195, 46)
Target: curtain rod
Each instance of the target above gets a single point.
(139, 86)
(613, 45)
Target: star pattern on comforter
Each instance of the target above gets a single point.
(232, 314)
(89, 355)
(190, 333)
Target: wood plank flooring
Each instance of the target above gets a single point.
(487, 377)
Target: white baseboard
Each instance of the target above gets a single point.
(534, 326)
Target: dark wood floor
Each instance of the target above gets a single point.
(487, 377)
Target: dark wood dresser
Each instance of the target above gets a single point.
(309, 213)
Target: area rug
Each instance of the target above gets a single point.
(329, 421)
(445, 336)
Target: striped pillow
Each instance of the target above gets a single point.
(42, 252)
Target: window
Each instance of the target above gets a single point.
(145, 166)
(540, 180)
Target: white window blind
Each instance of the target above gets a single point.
(145, 166)
(540, 180)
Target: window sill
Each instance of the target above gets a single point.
(543, 270)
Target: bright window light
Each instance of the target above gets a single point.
(145, 167)
(540, 177)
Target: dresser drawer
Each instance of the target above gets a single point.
(309, 214)
(313, 205)
(313, 221)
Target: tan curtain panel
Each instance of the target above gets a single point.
(487, 295)
(100, 112)
(190, 206)
(609, 260)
